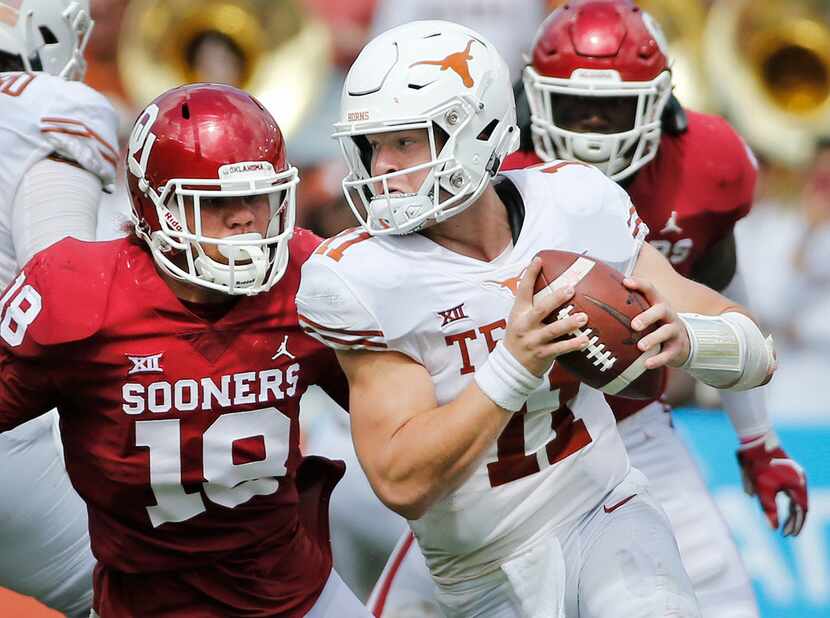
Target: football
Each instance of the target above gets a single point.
(612, 362)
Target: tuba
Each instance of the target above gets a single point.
(771, 61)
(272, 48)
(682, 21)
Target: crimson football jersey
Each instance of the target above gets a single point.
(690, 196)
(181, 434)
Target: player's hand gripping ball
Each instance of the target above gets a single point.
(612, 362)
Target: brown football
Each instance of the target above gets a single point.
(612, 363)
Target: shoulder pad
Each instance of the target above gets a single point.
(724, 163)
(520, 160)
(329, 309)
(302, 245)
(576, 187)
(81, 124)
(73, 279)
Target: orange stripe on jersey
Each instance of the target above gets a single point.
(342, 331)
(634, 221)
(109, 159)
(89, 132)
(555, 168)
(337, 253)
(367, 343)
(13, 84)
(324, 246)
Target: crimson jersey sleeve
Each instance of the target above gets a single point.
(40, 313)
(520, 160)
(728, 163)
(26, 390)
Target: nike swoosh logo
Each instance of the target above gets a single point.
(619, 317)
(618, 504)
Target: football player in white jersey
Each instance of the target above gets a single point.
(513, 477)
(57, 152)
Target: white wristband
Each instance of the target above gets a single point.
(727, 351)
(505, 381)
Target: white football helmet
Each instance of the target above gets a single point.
(47, 35)
(423, 75)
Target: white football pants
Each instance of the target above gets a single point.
(709, 555)
(620, 560)
(43, 535)
(708, 551)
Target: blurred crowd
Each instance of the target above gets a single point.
(784, 244)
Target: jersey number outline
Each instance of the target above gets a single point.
(674, 252)
(226, 483)
(14, 317)
(570, 435)
(14, 84)
(336, 253)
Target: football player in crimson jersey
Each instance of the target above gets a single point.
(514, 477)
(599, 89)
(57, 152)
(176, 363)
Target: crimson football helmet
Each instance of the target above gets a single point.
(598, 48)
(204, 141)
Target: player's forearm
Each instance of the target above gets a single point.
(747, 410)
(39, 220)
(434, 452)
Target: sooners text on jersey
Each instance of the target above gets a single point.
(181, 434)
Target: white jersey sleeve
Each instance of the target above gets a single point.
(44, 115)
(80, 124)
(447, 312)
(594, 214)
(329, 308)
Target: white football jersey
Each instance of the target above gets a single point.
(556, 459)
(41, 114)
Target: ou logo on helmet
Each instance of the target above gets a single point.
(142, 140)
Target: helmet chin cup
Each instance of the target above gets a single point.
(237, 277)
(237, 252)
(592, 150)
(399, 212)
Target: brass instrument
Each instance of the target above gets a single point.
(276, 50)
(770, 62)
(682, 22)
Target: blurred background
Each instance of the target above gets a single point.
(763, 64)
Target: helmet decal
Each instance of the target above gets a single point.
(212, 147)
(464, 112)
(459, 62)
(10, 11)
(142, 140)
